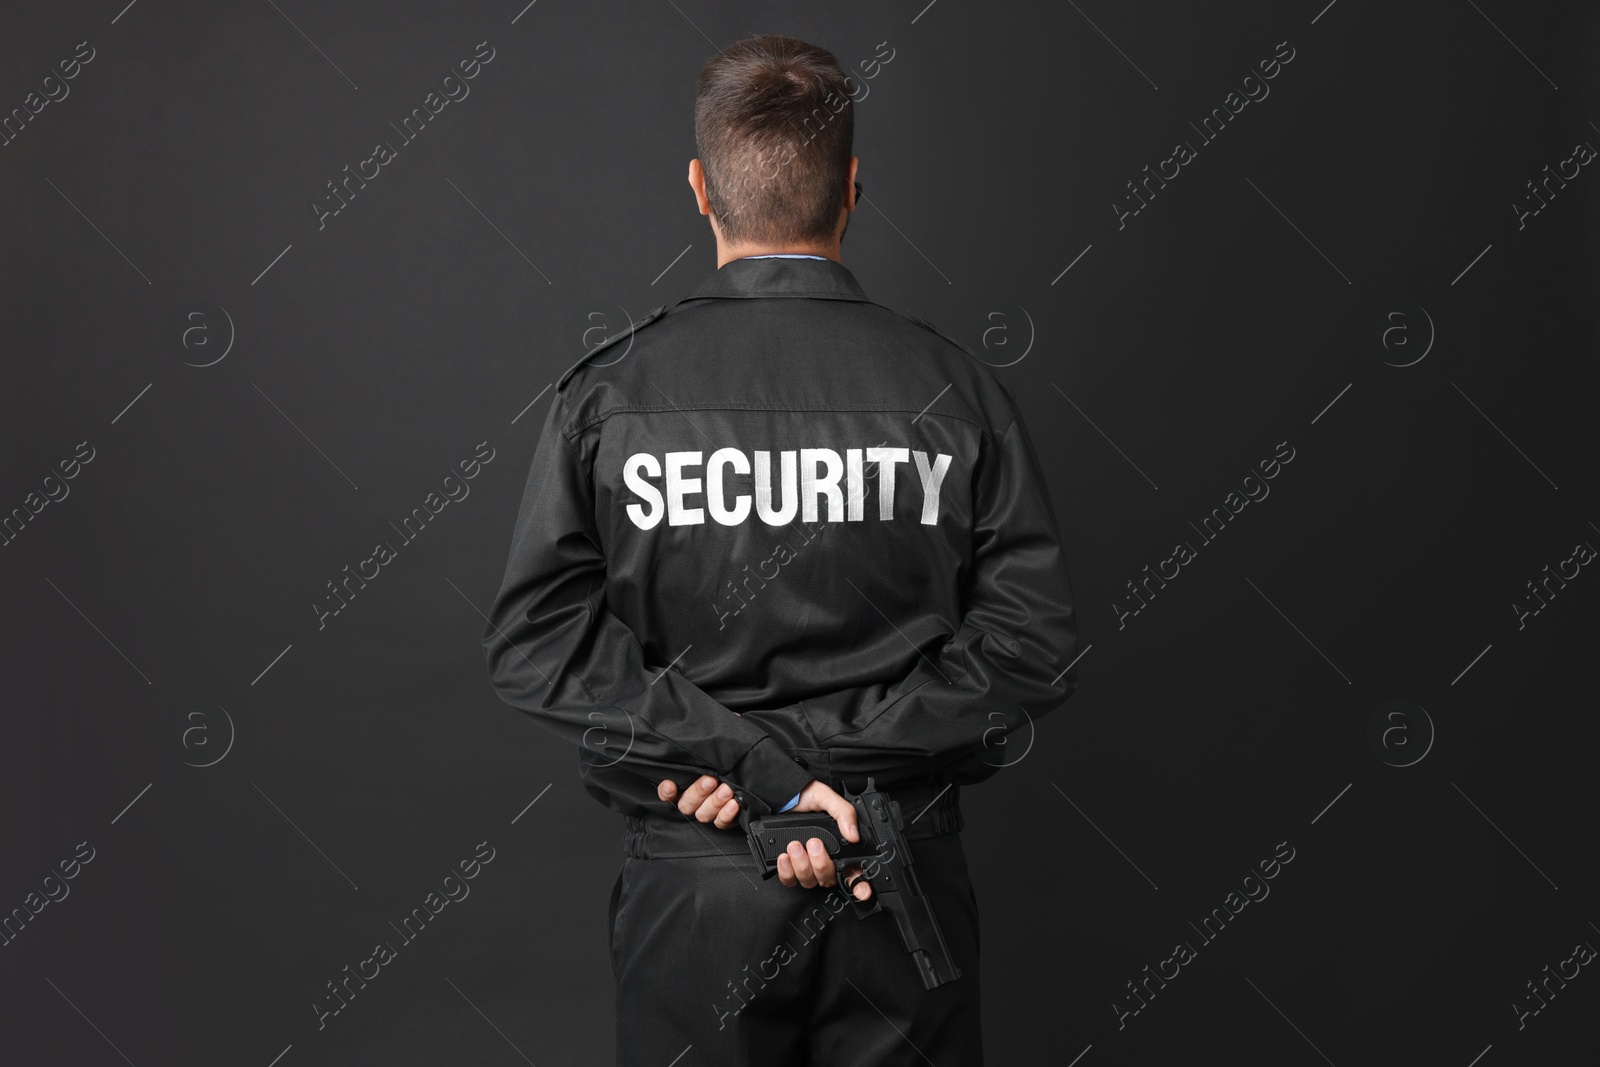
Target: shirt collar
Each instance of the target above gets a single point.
(822, 279)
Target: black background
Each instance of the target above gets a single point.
(162, 610)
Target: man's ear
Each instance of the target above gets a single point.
(850, 186)
(697, 182)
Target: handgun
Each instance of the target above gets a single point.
(885, 859)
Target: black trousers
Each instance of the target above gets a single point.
(717, 966)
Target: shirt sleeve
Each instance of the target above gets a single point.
(556, 652)
(1006, 665)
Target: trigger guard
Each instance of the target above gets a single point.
(863, 908)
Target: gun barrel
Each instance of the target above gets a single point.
(919, 930)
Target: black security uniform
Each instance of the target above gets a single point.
(775, 534)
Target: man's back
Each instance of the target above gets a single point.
(784, 500)
(830, 543)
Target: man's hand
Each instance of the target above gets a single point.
(711, 801)
(812, 866)
(706, 800)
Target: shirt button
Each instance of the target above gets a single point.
(800, 761)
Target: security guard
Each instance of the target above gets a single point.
(779, 539)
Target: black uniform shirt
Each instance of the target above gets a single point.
(778, 533)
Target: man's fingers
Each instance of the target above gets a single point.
(855, 878)
(696, 794)
(712, 804)
(801, 862)
(844, 813)
(821, 862)
(810, 866)
(706, 799)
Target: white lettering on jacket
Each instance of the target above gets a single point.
(809, 482)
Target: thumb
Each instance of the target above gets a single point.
(844, 813)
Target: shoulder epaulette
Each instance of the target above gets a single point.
(653, 315)
(925, 324)
(930, 327)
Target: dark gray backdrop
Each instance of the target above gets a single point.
(265, 798)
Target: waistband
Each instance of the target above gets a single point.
(928, 811)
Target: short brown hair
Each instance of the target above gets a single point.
(773, 119)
